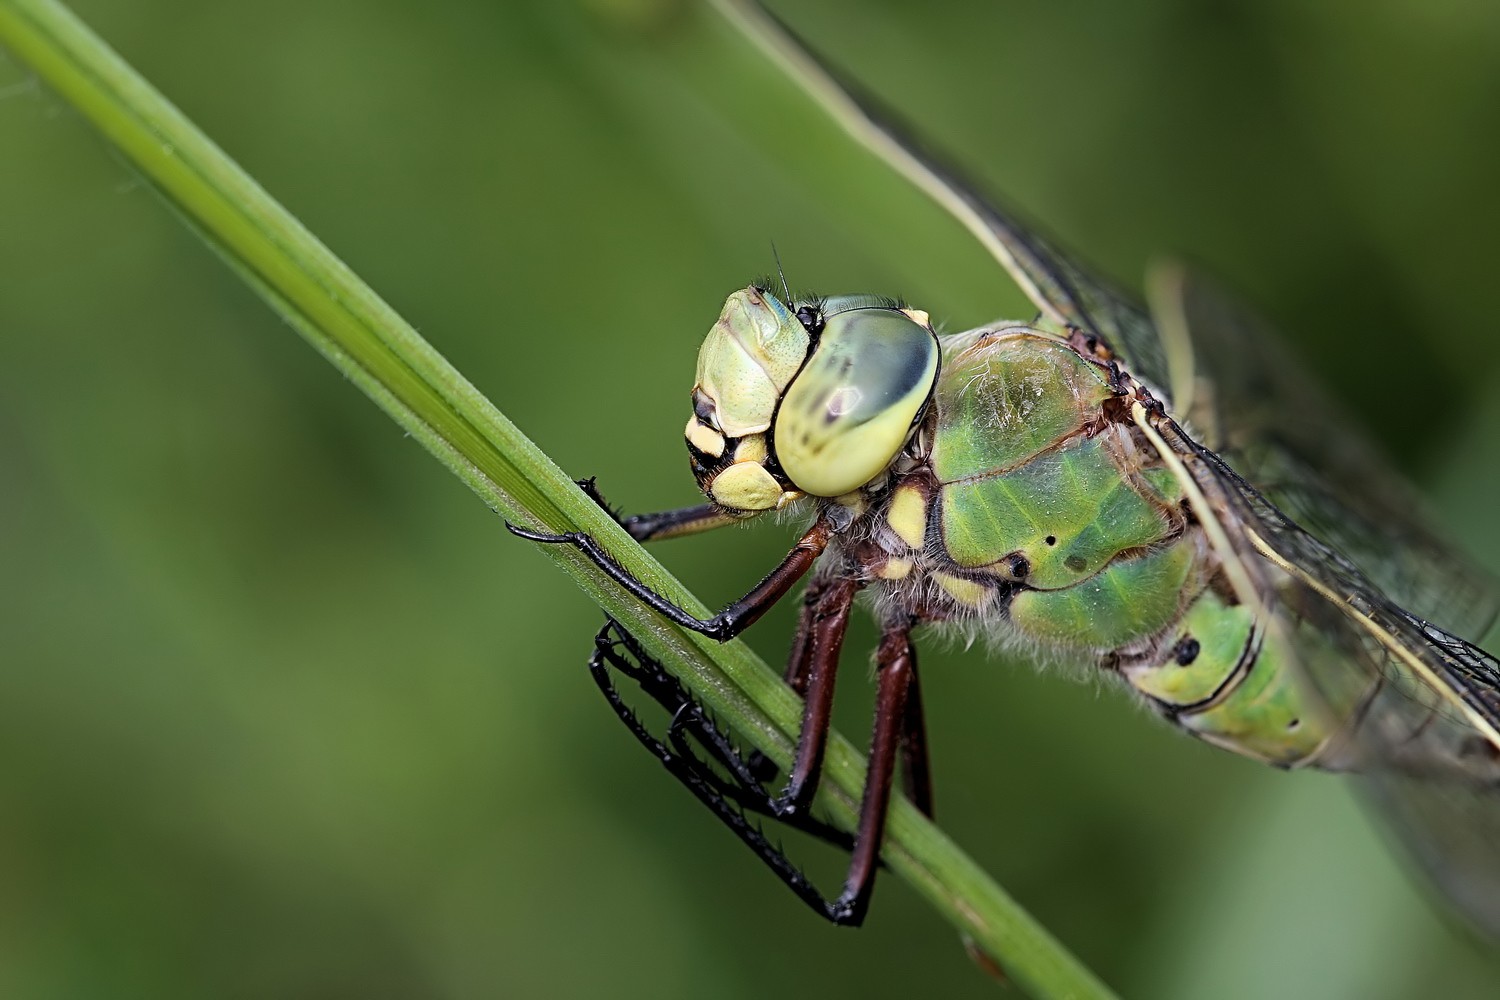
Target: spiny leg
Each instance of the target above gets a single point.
(898, 730)
(661, 524)
(915, 769)
(801, 652)
(796, 663)
(736, 616)
(745, 791)
(691, 773)
(615, 647)
(676, 523)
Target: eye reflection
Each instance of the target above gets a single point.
(844, 400)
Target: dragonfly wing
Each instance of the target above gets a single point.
(1420, 707)
(1254, 406)
(1421, 657)
(1063, 291)
(1450, 831)
(1426, 767)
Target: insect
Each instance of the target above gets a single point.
(1157, 494)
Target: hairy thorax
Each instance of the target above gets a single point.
(1025, 500)
(1029, 509)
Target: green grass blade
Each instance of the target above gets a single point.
(366, 340)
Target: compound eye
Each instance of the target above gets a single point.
(846, 416)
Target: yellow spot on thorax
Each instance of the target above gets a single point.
(908, 515)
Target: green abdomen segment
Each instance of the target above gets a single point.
(1228, 680)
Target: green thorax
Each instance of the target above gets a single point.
(1034, 508)
(1042, 492)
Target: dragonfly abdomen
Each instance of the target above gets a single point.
(1225, 679)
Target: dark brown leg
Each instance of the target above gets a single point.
(758, 763)
(812, 670)
(896, 664)
(895, 732)
(797, 662)
(735, 617)
(915, 771)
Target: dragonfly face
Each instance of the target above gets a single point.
(816, 402)
(747, 361)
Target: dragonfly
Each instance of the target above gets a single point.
(1153, 490)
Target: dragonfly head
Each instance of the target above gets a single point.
(816, 400)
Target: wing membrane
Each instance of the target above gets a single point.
(1424, 733)
(1418, 652)
(1450, 831)
(1277, 429)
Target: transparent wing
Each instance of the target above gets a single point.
(1419, 707)
(1432, 665)
(1063, 291)
(1450, 830)
(1425, 756)
(1255, 407)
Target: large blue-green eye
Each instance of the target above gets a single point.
(847, 414)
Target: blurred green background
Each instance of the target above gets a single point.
(284, 712)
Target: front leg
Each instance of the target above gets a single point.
(662, 524)
(736, 616)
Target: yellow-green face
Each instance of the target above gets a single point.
(816, 403)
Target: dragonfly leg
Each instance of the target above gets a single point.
(616, 648)
(916, 772)
(895, 668)
(730, 621)
(661, 524)
(796, 664)
(746, 790)
(812, 671)
(676, 523)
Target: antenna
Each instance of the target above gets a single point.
(785, 288)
